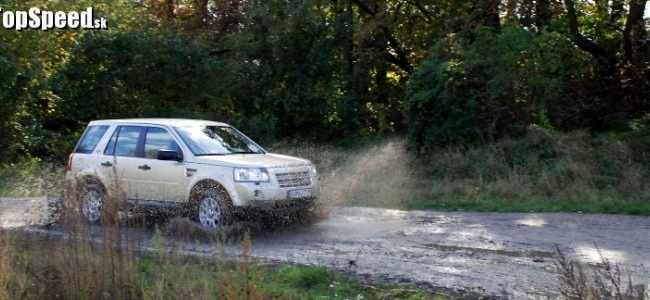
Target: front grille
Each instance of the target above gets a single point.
(296, 179)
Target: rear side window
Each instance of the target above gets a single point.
(91, 138)
(124, 141)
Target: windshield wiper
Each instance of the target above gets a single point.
(244, 152)
(212, 154)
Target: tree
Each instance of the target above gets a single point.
(622, 54)
(286, 65)
(154, 73)
(209, 19)
(493, 87)
(30, 124)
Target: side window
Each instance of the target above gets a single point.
(90, 139)
(124, 141)
(157, 139)
(110, 148)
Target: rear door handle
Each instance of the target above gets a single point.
(107, 164)
(145, 167)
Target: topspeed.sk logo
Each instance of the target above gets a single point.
(35, 18)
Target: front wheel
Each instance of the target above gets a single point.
(308, 216)
(214, 209)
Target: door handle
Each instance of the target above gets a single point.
(145, 167)
(107, 164)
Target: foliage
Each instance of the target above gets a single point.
(460, 72)
(493, 88)
(29, 58)
(284, 74)
(153, 73)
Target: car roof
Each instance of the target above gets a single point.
(156, 121)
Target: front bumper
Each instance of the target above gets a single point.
(284, 206)
(290, 188)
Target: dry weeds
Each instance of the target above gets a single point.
(606, 281)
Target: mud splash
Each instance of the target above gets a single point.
(375, 176)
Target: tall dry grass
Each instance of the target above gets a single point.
(576, 169)
(31, 179)
(13, 281)
(540, 171)
(113, 261)
(606, 281)
(100, 260)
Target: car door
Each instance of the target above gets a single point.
(123, 148)
(159, 180)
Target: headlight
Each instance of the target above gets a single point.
(313, 170)
(251, 175)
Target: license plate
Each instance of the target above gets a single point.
(297, 194)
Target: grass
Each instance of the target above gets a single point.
(541, 172)
(31, 179)
(63, 270)
(310, 282)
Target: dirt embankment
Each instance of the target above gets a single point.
(490, 253)
(20, 212)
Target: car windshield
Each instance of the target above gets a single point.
(217, 140)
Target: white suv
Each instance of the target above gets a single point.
(206, 169)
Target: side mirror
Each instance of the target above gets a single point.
(169, 155)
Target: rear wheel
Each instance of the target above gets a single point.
(214, 209)
(92, 198)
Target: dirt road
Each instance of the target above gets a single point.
(491, 253)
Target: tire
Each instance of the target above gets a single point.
(213, 209)
(92, 199)
(307, 216)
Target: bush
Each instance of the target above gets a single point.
(493, 88)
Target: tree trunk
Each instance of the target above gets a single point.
(543, 13)
(634, 34)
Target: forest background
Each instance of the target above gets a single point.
(489, 95)
(446, 72)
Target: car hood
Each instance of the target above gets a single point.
(267, 160)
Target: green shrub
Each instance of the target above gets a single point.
(493, 88)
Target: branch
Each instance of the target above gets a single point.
(602, 56)
(404, 63)
(401, 60)
(364, 7)
(424, 11)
